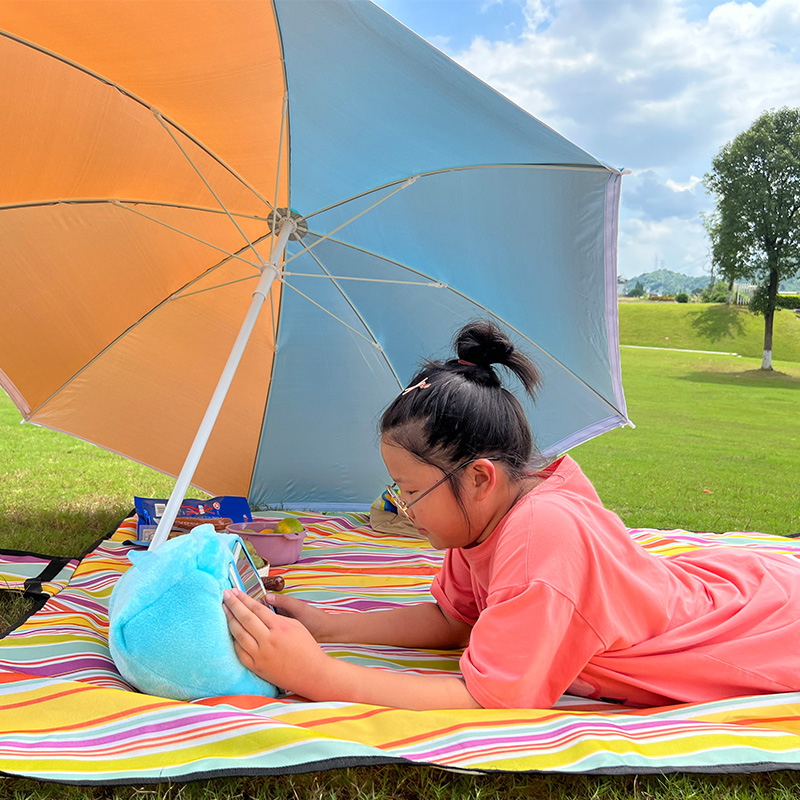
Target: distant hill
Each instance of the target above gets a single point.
(792, 285)
(665, 281)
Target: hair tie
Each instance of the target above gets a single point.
(466, 363)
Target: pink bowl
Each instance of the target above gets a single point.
(277, 548)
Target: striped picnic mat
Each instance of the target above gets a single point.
(66, 714)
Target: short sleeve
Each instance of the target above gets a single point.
(452, 589)
(526, 648)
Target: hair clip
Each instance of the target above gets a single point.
(423, 384)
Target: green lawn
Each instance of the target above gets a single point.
(704, 422)
(707, 326)
(716, 447)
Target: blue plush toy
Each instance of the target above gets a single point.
(167, 631)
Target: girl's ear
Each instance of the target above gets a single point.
(482, 476)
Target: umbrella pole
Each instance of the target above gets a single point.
(268, 274)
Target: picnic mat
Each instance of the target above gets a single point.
(66, 715)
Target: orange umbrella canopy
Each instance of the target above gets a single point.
(149, 148)
(111, 110)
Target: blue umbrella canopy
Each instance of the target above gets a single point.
(419, 198)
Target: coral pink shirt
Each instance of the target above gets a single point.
(561, 599)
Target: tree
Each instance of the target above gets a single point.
(756, 180)
(637, 291)
(726, 252)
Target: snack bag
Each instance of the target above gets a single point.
(219, 511)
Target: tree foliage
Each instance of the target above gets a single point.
(637, 291)
(727, 248)
(755, 230)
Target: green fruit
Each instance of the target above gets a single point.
(289, 525)
(258, 562)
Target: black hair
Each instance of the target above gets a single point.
(464, 412)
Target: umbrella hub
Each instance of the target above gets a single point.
(276, 219)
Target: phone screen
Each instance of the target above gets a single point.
(247, 572)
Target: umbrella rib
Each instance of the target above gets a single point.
(127, 93)
(202, 177)
(440, 284)
(284, 114)
(567, 167)
(174, 296)
(430, 280)
(212, 288)
(126, 204)
(100, 200)
(542, 350)
(375, 342)
(331, 314)
(430, 284)
(119, 204)
(361, 213)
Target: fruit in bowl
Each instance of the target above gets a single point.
(277, 541)
(289, 525)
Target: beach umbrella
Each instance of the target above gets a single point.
(172, 168)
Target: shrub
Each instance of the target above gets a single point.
(637, 291)
(758, 302)
(681, 297)
(787, 301)
(662, 297)
(717, 294)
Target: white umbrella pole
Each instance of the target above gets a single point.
(268, 275)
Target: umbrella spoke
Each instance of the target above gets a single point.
(210, 188)
(440, 285)
(230, 255)
(327, 236)
(284, 115)
(431, 173)
(334, 280)
(125, 91)
(347, 325)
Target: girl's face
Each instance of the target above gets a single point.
(437, 516)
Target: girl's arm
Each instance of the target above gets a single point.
(417, 625)
(282, 650)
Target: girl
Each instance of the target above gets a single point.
(544, 587)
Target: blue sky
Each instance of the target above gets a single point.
(653, 86)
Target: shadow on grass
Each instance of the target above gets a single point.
(58, 531)
(718, 322)
(749, 377)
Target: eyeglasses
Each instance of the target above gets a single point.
(402, 506)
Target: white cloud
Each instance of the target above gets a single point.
(688, 186)
(643, 85)
(672, 243)
(442, 42)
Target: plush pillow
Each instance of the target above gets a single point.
(168, 634)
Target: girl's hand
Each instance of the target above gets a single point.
(318, 622)
(277, 648)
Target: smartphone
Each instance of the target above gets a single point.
(243, 574)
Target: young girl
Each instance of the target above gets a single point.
(544, 587)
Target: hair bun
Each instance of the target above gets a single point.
(484, 343)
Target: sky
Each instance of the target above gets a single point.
(656, 87)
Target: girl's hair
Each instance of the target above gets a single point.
(462, 411)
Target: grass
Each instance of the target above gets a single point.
(716, 447)
(714, 423)
(394, 783)
(707, 326)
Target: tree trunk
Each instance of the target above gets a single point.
(769, 316)
(730, 291)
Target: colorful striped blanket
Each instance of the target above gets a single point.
(66, 714)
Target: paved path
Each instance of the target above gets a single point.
(680, 350)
